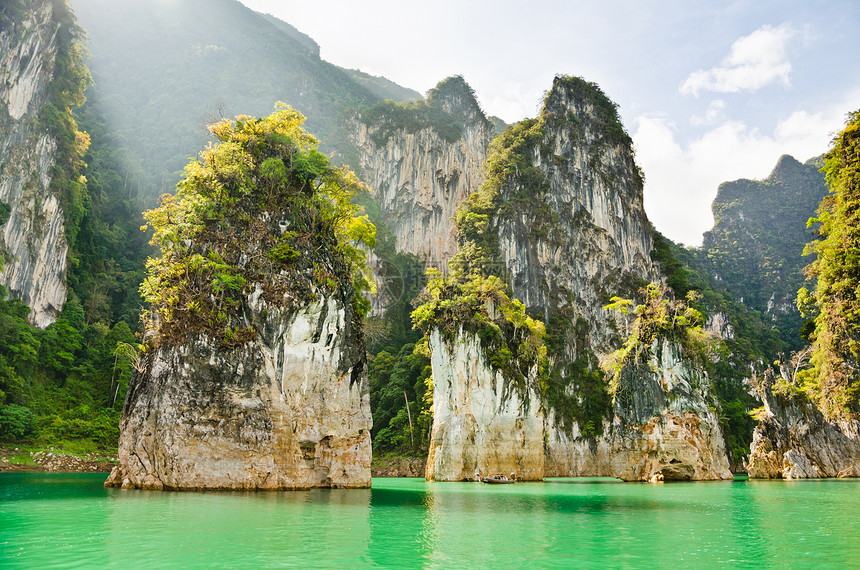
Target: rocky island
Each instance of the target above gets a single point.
(254, 375)
(558, 230)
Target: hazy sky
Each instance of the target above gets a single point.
(710, 91)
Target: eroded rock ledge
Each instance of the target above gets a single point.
(481, 422)
(290, 410)
(795, 441)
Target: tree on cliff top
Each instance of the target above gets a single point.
(263, 208)
(834, 380)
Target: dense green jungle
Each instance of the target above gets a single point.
(131, 109)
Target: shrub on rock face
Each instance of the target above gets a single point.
(264, 181)
(254, 375)
(16, 421)
(660, 317)
(834, 383)
(513, 341)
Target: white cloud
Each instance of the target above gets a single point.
(513, 102)
(712, 115)
(754, 61)
(681, 180)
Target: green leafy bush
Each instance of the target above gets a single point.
(16, 421)
(265, 175)
(834, 381)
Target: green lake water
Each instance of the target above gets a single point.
(70, 520)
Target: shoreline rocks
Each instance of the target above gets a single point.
(795, 441)
(290, 410)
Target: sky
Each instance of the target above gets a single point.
(710, 91)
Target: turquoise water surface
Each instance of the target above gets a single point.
(70, 520)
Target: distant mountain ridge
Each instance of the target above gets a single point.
(163, 71)
(755, 249)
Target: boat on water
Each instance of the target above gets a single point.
(496, 481)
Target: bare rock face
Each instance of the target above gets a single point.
(795, 441)
(482, 423)
(420, 176)
(32, 241)
(663, 426)
(290, 410)
(563, 205)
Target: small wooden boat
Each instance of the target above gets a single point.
(496, 481)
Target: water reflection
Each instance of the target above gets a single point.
(408, 523)
(265, 529)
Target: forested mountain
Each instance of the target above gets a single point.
(755, 249)
(808, 426)
(163, 72)
(834, 382)
(62, 383)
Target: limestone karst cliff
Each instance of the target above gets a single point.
(41, 76)
(254, 375)
(571, 227)
(560, 220)
(755, 248)
(809, 426)
(421, 160)
(482, 423)
(793, 439)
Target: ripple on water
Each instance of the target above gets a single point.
(70, 520)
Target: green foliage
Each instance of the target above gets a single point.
(736, 423)
(675, 272)
(512, 341)
(446, 109)
(5, 211)
(107, 262)
(576, 390)
(390, 117)
(394, 380)
(660, 317)
(394, 366)
(263, 176)
(834, 383)
(69, 376)
(757, 241)
(16, 421)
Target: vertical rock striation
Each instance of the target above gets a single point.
(574, 232)
(421, 161)
(33, 244)
(482, 423)
(561, 220)
(290, 410)
(795, 441)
